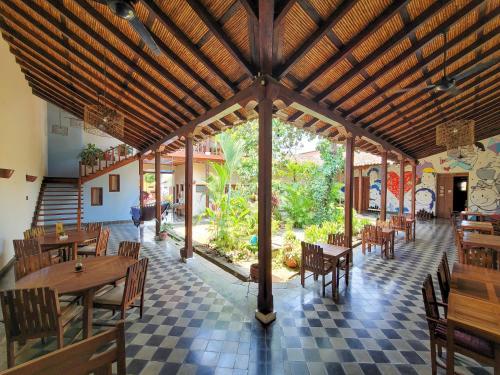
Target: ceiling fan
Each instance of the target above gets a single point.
(125, 9)
(448, 84)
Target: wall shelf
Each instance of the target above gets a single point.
(30, 178)
(6, 173)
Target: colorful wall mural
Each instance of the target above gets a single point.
(482, 163)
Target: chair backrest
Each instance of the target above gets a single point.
(372, 233)
(26, 247)
(480, 257)
(30, 263)
(444, 279)
(382, 223)
(312, 257)
(337, 239)
(34, 232)
(430, 302)
(129, 249)
(398, 221)
(102, 242)
(30, 313)
(82, 358)
(93, 227)
(446, 264)
(135, 281)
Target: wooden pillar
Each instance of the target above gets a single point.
(188, 198)
(360, 190)
(383, 187)
(413, 189)
(158, 190)
(348, 189)
(141, 182)
(265, 309)
(401, 186)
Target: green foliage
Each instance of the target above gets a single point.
(149, 178)
(298, 204)
(319, 233)
(91, 154)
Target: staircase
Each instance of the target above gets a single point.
(114, 158)
(58, 201)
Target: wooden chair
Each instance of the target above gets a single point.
(30, 263)
(33, 313)
(34, 232)
(479, 257)
(124, 296)
(100, 248)
(129, 249)
(314, 261)
(444, 279)
(464, 343)
(372, 235)
(338, 239)
(91, 227)
(82, 358)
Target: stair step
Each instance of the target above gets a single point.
(59, 219)
(60, 200)
(58, 214)
(59, 204)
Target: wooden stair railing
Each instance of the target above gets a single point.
(114, 158)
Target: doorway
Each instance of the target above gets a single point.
(451, 193)
(460, 188)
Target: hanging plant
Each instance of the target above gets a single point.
(91, 155)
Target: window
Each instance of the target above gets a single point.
(96, 196)
(114, 183)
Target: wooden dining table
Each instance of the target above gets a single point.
(50, 240)
(333, 253)
(473, 305)
(464, 215)
(97, 272)
(480, 226)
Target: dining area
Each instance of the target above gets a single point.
(61, 277)
(466, 319)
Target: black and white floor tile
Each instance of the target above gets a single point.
(199, 320)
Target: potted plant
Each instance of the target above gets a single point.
(291, 250)
(91, 155)
(164, 228)
(124, 150)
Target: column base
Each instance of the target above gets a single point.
(265, 318)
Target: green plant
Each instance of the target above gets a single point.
(166, 227)
(298, 204)
(291, 251)
(91, 154)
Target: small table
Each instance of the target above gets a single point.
(474, 305)
(97, 271)
(480, 226)
(75, 237)
(333, 253)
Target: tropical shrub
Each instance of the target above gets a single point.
(298, 205)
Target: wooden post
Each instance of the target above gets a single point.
(141, 182)
(383, 187)
(265, 309)
(413, 189)
(360, 190)
(188, 198)
(401, 186)
(158, 190)
(348, 189)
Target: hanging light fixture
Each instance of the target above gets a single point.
(101, 119)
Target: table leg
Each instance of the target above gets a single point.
(450, 352)
(334, 277)
(414, 230)
(348, 259)
(75, 251)
(88, 309)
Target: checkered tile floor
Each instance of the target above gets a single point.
(198, 319)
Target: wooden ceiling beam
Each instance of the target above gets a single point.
(409, 114)
(222, 37)
(326, 26)
(417, 67)
(57, 24)
(140, 53)
(59, 98)
(68, 56)
(124, 59)
(295, 99)
(230, 105)
(172, 28)
(251, 8)
(29, 55)
(282, 9)
(134, 88)
(347, 49)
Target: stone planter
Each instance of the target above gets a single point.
(254, 272)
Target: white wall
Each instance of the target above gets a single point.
(23, 147)
(116, 205)
(64, 150)
(199, 177)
